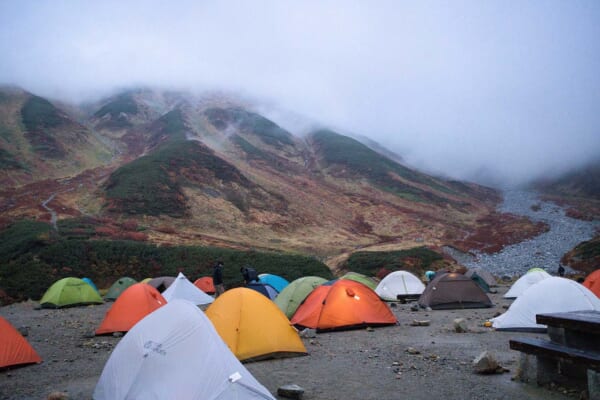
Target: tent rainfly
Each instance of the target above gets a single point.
(205, 284)
(484, 274)
(294, 294)
(551, 295)
(14, 348)
(592, 282)
(453, 291)
(69, 292)
(532, 277)
(399, 285)
(279, 283)
(118, 287)
(182, 288)
(175, 353)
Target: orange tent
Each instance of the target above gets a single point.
(205, 284)
(344, 304)
(592, 282)
(137, 301)
(253, 327)
(14, 349)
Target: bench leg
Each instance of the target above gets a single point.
(527, 371)
(547, 370)
(593, 384)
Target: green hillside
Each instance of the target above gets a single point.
(117, 110)
(152, 184)
(359, 160)
(248, 122)
(39, 118)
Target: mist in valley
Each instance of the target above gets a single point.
(492, 92)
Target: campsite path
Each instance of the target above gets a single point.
(543, 251)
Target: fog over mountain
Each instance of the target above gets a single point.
(490, 91)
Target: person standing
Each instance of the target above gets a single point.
(218, 278)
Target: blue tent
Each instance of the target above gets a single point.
(276, 281)
(264, 289)
(90, 282)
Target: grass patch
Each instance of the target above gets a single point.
(38, 116)
(8, 161)
(416, 260)
(30, 265)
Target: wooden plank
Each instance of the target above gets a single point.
(585, 321)
(545, 348)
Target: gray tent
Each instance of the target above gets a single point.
(453, 290)
(483, 274)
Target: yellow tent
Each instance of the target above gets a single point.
(253, 327)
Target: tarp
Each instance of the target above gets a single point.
(551, 295)
(137, 301)
(278, 282)
(161, 283)
(399, 285)
(365, 280)
(483, 274)
(69, 292)
(253, 326)
(453, 291)
(530, 278)
(182, 288)
(118, 287)
(294, 294)
(175, 353)
(14, 348)
(342, 305)
(592, 282)
(205, 284)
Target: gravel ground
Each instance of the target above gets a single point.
(402, 361)
(543, 251)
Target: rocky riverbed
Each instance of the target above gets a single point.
(543, 251)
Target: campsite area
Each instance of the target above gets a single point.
(401, 361)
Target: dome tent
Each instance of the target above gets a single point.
(137, 301)
(453, 291)
(342, 305)
(484, 274)
(276, 281)
(399, 285)
(371, 283)
(205, 284)
(294, 294)
(182, 288)
(161, 283)
(263, 288)
(551, 295)
(175, 353)
(14, 348)
(118, 287)
(253, 327)
(90, 282)
(69, 292)
(592, 282)
(530, 278)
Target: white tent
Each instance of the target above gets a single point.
(399, 284)
(182, 288)
(176, 353)
(524, 282)
(551, 295)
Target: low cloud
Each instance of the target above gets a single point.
(473, 90)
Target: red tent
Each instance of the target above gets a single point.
(137, 301)
(344, 304)
(205, 284)
(14, 348)
(592, 282)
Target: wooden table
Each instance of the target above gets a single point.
(570, 357)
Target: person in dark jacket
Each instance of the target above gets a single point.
(218, 278)
(249, 274)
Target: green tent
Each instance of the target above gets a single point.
(360, 278)
(69, 292)
(118, 287)
(294, 294)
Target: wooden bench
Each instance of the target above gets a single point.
(572, 355)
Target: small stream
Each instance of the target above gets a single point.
(53, 215)
(543, 251)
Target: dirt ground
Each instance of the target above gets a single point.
(402, 361)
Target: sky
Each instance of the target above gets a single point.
(492, 91)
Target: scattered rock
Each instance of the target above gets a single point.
(58, 396)
(485, 363)
(24, 331)
(424, 322)
(460, 325)
(117, 334)
(291, 391)
(308, 333)
(412, 350)
(89, 334)
(369, 329)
